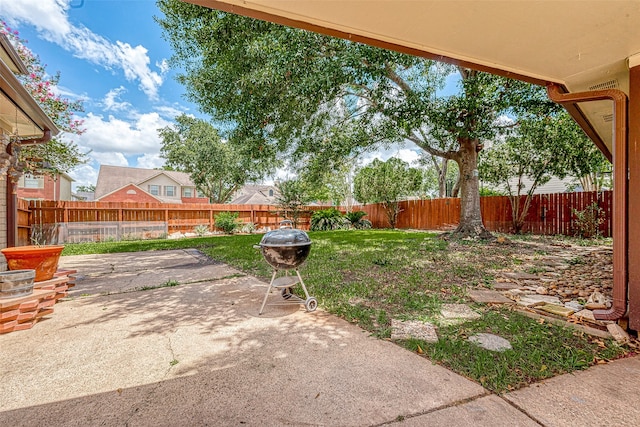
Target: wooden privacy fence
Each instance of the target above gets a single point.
(92, 221)
(548, 214)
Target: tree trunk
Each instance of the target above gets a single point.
(392, 210)
(470, 216)
(456, 188)
(442, 175)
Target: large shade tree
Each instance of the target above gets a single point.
(317, 99)
(216, 167)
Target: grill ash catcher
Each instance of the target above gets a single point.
(286, 249)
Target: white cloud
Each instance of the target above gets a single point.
(170, 112)
(51, 20)
(150, 161)
(138, 136)
(49, 14)
(84, 175)
(111, 100)
(163, 65)
(409, 154)
(113, 159)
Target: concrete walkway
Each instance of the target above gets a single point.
(198, 354)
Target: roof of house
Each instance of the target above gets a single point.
(87, 196)
(254, 194)
(111, 178)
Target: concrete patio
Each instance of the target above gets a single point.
(199, 354)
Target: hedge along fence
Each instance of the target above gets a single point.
(90, 221)
(548, 214)
(93, 221)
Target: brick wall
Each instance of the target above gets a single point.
(130, 193)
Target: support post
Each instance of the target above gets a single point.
(634, 199)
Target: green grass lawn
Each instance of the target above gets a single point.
(369, 277)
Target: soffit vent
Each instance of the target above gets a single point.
(608, 118)
(611, 84)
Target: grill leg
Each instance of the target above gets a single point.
(264, 301)
(304, 288)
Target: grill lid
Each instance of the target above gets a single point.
(285, 237)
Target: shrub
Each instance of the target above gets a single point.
(484, 192)
(357, 220)
(248, 227)
(227, 222)
(588, 221)
(201, 229)
(328, 219)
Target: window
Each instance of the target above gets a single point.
(170, 190)
(31, 181)
(154, 190)
(187, 192)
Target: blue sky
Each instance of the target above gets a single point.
(111, 55)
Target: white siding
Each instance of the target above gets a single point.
(164, 181)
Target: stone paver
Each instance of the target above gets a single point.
(559, 310)
(490, 342)
(458, 312)
(487, 296)
(402, 330)
(534, 300)
(520, 276)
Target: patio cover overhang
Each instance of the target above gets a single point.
(580, 46)
(20, 114)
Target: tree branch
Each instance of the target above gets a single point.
(429, 149)
(394, 77)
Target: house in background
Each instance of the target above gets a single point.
(255, 194)
(555, 185)
(21, 120)
(83, 196)
(45, 187)
(123, 184)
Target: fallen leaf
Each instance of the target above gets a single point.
(419, 350)
(317, 395)
(541, 321)
(543, 368)
(119, 391)
(600, 343)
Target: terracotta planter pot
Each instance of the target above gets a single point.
(42, 259)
